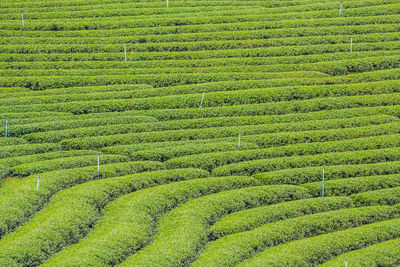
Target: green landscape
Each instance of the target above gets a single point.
(199, 133)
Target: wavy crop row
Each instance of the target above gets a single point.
(19, 200)
(233, 249)
(217, 132)
(70, 214)
(305, 252)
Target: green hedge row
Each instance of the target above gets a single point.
(63, 163)
(156, 80)
(149, 8)
(249, 219)
(145, 8)
(84, 90)
(294, 117)
(30, 115)
(182, 232)
(212, 99)
(381, 254)
(188, 55)
(19, 200)
(291, 115)
(71, 214)
(27, 149)
(389, 196)
(11, 141)
(68, 123)
(304, 143)
(131, 149)
(304, 175)
(349, 186)
(256, 125)
(218, 132)
(130, 221)
(249, 14)
(245, 31)
(198, 45)
(340, 67)
(195, 63)
(271, 108)
(338, 158)
(187, 33)
(319, 249)
(236, 248)
(8, 162)
(172, 151)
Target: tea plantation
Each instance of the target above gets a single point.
(199, 133)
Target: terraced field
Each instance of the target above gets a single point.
(202, 133)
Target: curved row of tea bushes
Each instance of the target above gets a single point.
(14, 161)
(27, 149)
(338, 158)
(129, 223)
(156, 80)
(183, 231)
(390, 196)
(381, 254)
(63, 163)
(20, 200)
(67, 123)
(219, 132)
(304, 175)
(236, 94)
(172, 151)
(71, 214)
(212, 160)
(249, 125)
(319, 249)
(349, 186)
(233, 249)
(249, 219)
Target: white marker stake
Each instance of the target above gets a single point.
(6, 128)
(351, 44)
(22, 16)
(240, 136)
(125, 51)
(202, 99)
(167, 4)
(38, 181)
(323, 181)
(346, 262)
(98, 167)
(340, 12)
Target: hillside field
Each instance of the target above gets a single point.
(199, 133)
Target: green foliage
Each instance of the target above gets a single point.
(129, 222)
(63, 163)
(186, 226)
(339, 158)
(233, 249)
(163, 154)
(313, 174)
(210, 161)
(27, 149)
(19, 200)
(349, 186)
(230, 131)
(14, 161)
(68, 123)
(381, 254)
(249, 219)
(390, 196)
(304, 252)
(71, 213)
